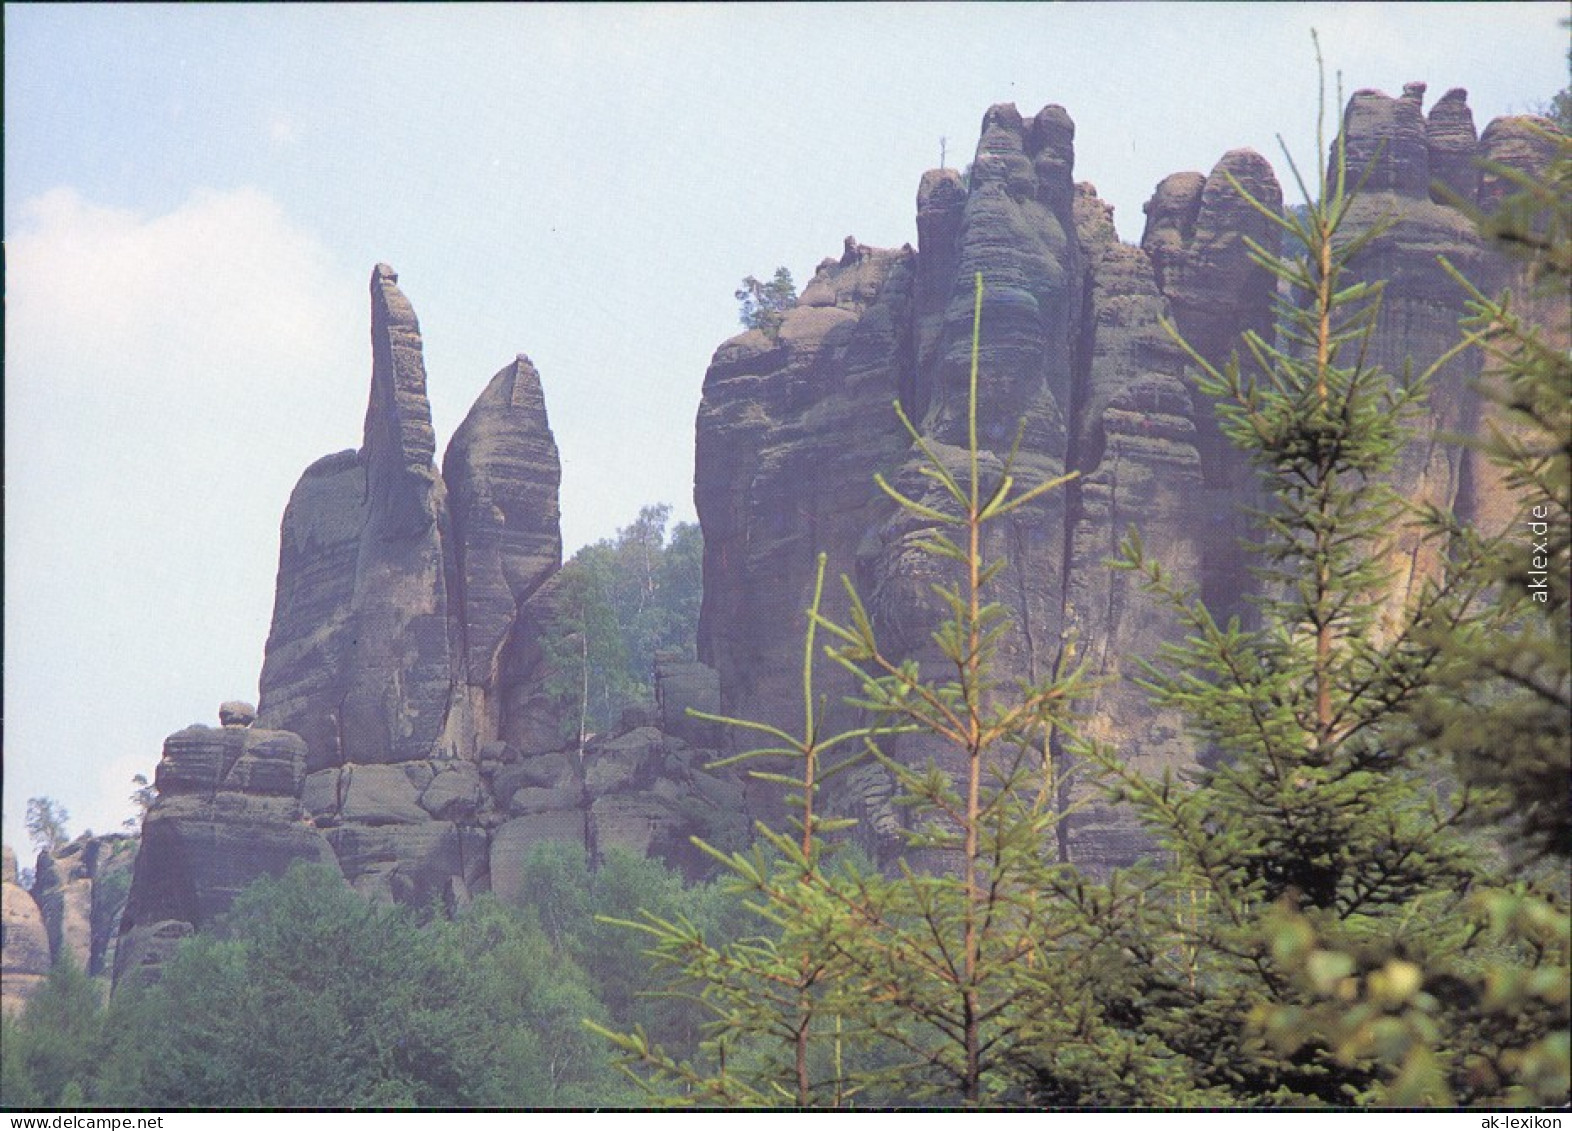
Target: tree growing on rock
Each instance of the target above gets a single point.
(46, 823)
(763, 306)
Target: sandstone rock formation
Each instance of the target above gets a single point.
(407, 729)
(1073, 356)
(82, 890)
(227, 813)
(24, 940)
(71, 912)
(405, 733)
(1422, 169)
(1072, 352)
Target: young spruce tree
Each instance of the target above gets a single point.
(1319, 865)
(1489, 1024)
(975, 983)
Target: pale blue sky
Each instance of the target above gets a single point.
(195, 196)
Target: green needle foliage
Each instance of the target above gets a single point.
(1310, 936)
(1490, 1024)
(972, 983)
(1510, 688)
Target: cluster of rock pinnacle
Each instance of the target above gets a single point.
(404, 733)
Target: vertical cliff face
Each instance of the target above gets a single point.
(1422, 172)
(790, 431)
(361, 660)
(502, 473)
(1074, 356)
(1196, 236)
(1525, 145)
(1137, 452)
(399, 591)
(1072, 361)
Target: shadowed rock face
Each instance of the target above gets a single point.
(1195, 237)
(393, 609)
(791, 432)
(1141, 466)
(1453, 148)
(72, 912)
(502, 473)
(360, 660)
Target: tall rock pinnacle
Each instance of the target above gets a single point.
(502, 473)
(361, 659)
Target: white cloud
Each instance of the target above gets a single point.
(167, 379)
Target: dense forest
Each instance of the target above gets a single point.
(1359, 899)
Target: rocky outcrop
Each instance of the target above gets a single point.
(502, 473)
(1074, 356)
(406, 732)
(71, 913)
(362, 655)
(1197, 228)
(1415, 168)
(790, 431)
(1073, 361)
(645, 787)
(1452, 147)
(398, 594)
(227, 813)
(1524, 145)
(24, 940)
(1138, 452)
(82, 890)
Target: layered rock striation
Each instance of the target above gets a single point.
(227, 813)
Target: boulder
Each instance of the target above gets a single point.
(380, 795)
(236, 713)
(682, 686)
(455, 793)
(620, 763)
